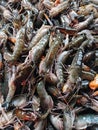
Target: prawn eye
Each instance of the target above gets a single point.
(94, 84)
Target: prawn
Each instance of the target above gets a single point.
(58, 9)
(19, 45)
(47, 62)
(74, 72)
(59, 65)
(36, 52)
(46, 100)
(40, 33)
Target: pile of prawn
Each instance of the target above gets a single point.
(48, 64)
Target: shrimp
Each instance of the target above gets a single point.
(74, 72)
(36, 52)
(59, 65)
(19, 45)
(40, 33)
(47, 62)
(46, 100)
(58, 9)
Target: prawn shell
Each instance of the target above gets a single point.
(58, 9)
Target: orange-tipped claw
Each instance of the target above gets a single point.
(94, 84)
